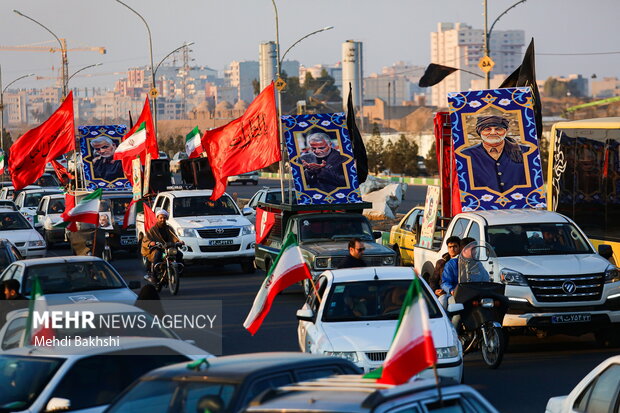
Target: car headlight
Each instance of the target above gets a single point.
(186, 232)
(247, 229)
(347, 355)
(612, 274)
(447, 352)
(321, 263)
(39, 243)
(388, 261)
(512, 277)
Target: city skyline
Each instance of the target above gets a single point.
(231, 31)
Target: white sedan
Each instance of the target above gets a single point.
(357, 315)
(15, 228)
(599, 391)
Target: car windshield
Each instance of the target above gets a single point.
(371, 300)
(118, 206)
(23, 378)
(5, 259)
(56, 206)
(202, 205)
(157, 396)
(72, 277)
(32, 200)
(332, 228)
(10, 221)
(47, 180)
(537, 239)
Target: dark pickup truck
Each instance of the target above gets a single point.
(323, 232)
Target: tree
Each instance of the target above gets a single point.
(256, 86)
(7, 140)
(402, 156)
(41, 115)
(374, 151)
(431, 160)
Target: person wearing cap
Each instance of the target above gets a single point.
(496, 162)
(160, 232)
(322, 163)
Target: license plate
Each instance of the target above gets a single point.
(129, 240)
(571, 318)
(221, 242)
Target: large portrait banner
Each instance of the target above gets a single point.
(97, 145)
(496, 149)
(321, 159)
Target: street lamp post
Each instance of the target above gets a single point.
(171, 53)
(2, 90)
(63, 50)
(487, 33)
(279, 74)
(153, 88)
(84, 68)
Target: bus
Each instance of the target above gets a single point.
(583, 179)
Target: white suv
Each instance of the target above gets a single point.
(213, 231)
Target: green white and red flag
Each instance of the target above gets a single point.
(37, 305)
(136, 207)
(133, 145)
(289, 268)
(412, 348)
(193, 144)
(2, 162)
(87, 210)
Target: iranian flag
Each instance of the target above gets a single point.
(87, 210)
(133, 145)
(2, 164)
(38, 305)
(412, 349)
(136, 207)
(289, 268)
(193, 145)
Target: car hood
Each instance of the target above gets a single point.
(115, 295)
(556, 264)
(377, 335)
(341, 248)
(22, 235)
(211, 221)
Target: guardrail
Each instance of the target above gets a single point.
(404, 179)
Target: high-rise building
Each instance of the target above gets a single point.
(267, 62)
(241, 75)
(353, 72)
(458, 45)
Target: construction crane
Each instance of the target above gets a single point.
(34, 48)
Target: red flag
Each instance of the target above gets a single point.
(450, 184)
(150, 144)
(246, 144)
(35, 148)
(264, 223)
(69, 205)
(149, 217)
(61, 172)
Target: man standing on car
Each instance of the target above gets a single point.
(354, 259)
(161, 233)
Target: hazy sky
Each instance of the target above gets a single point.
(226, 30)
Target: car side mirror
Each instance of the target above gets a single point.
(605, 251)
(134, 285)
(455, 308)
(305, 314)
(40, 212)
(376, 234)
(57, 404)
(247, 211)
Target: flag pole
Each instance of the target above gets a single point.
(316, 292)
(437, 384)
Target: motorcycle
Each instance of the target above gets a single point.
(480, 302)
(167, 271)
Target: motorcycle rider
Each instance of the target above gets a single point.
(163, 233)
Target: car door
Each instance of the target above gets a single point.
(409, 237)
(309, 331)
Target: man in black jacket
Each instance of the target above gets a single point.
(354, 259)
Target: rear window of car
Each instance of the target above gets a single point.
(72, 277)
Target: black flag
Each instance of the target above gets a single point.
(359, 150)
(525, 75)
(434, 74)
(130, 121)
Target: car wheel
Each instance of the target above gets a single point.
(255, 183)
(248, 266)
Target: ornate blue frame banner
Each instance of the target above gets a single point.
(97, 145)
(321, 158)
(496, 149)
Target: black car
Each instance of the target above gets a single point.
(224, 384)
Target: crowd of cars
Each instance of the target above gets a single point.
(344, 328)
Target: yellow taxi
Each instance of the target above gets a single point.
(404, 236)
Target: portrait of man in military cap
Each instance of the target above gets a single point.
(497, 162)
